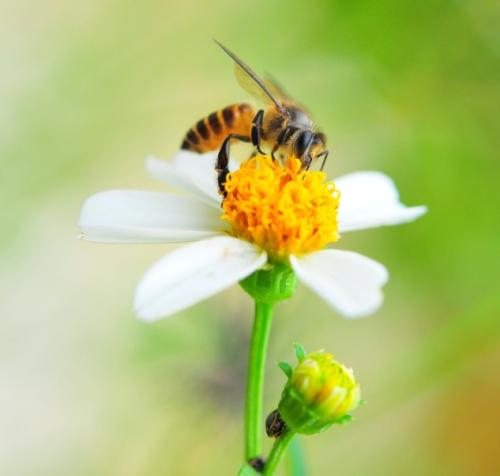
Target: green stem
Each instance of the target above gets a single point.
(255, 378)
(279, 448)
(296, 464)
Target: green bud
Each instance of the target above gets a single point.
(272, 284)
(319, 392)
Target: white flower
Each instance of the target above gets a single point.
(349, 282)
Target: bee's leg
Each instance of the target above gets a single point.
(257, 130)
(282, 139)
(275, 148)
(221, 166)
(323, 154)
(306, 162)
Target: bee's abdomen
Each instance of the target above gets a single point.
(209, 133)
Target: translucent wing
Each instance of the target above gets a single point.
(276, 89)
(251, 87)
(250, 82)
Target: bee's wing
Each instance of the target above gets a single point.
(250, 82)
(276, 89)
(251, 87)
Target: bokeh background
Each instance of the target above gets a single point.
(88, 89)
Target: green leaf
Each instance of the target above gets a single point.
(247, 471)
(287, 368)
(299, 352)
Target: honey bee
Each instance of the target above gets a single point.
(282, 128)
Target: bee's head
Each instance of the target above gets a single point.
(308, 145)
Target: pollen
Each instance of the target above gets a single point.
(281, 208)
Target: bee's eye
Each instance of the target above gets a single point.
(303, 143)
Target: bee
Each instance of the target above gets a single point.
(275, 426)
(282, 128)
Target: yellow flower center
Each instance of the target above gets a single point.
(282, 208)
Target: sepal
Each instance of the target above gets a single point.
(276, 282)
(287, 368)
(299, 352)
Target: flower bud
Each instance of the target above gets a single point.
(320, 391)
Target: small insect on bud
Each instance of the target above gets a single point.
(320, 392)
(257, 464)
(275, 426)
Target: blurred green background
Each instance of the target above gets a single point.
(88, 89)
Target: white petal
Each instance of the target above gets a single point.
(201, 169)
(349, 282)
(370, 199)
(188, 177)
(191, 172)
(130, 216)
(193, 273)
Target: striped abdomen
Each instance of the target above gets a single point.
(209, 133)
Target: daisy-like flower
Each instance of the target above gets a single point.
(273, 213)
